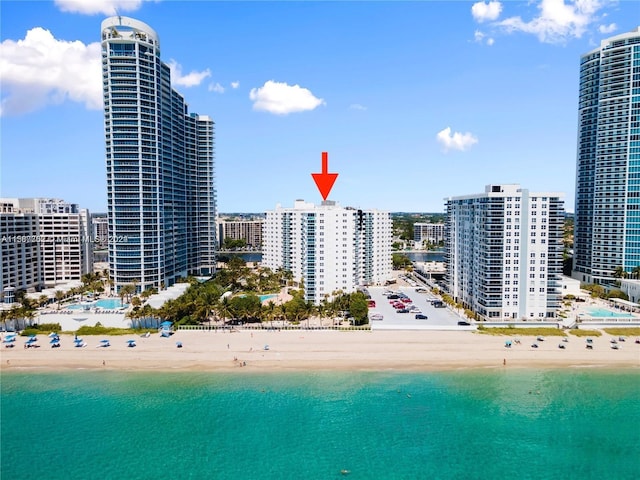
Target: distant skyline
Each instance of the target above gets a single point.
(414, 101)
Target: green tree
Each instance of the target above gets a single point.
(358, 308)
(43, 300)
(59, 297)
(619, 272)
(400, 260)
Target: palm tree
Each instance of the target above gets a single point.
(224, 309)
(619, 272)
(309, 310)
(636, 272)
(59, 297)
(270, 311)
(43, 300)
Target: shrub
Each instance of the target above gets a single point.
(585, 333)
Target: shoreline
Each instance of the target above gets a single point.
(317, 350)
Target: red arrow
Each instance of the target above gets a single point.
(324, 181)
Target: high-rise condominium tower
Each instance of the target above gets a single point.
(328, 247)
(160, 165)
(607, 207)
(504, 253)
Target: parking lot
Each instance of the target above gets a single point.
(438, 318)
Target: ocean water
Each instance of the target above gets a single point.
(473, 424)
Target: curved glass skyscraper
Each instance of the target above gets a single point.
(160, 165)
(607, 217)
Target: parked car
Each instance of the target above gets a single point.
(463, 323)
(402, 310)
(420, 316)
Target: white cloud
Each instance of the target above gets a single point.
(455, 141)
(479, 37)
(216, 87)
(93, 7)
(281, 99)
(612, 27)
(357, 106)
(482, 11)
(41, 70)
(557, 21)
(235, 85)
(189, 80)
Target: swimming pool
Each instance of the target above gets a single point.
(106, 303)
(267, 297)
(597, 312)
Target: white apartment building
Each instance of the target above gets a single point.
(100, 226)
(428, 232)
(247, 230)
(45, 242)
(504, 253)
(328, 247)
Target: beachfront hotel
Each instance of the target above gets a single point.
(504, 251)
(607, 199)
(328, 247)
(160, 165)
(43, 243)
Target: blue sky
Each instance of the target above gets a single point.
(414, 101)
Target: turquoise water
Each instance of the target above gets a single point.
(266, 297)
(107, 303)
(525, 424)
(604, 312)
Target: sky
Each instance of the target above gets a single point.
(413, 101)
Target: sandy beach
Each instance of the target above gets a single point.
(319, 350)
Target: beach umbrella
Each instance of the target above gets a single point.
(166, 323)
(55, 340)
